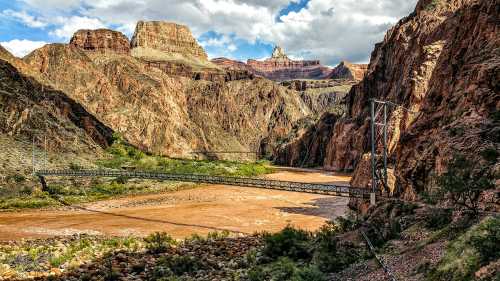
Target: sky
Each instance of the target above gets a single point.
(328, 30)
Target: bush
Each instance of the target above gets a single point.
(121, 180)
(75, 166)
(159, 242)
(490, 154)
(284, 269)
(487, 240)
(181, 264)
(469, 252)
(309, 273)
(290, 242)
(438, 218)
(465, 182)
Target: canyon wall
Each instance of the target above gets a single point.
(160, 107)
(33, 112)
(440, 63)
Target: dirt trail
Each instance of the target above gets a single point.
(200, 210)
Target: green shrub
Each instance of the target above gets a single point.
(121, 180)
(438, 218)
(17, 178)
(159, 242)
(75, 166)
(179, 265)
(290, 242)
(490, 154)
(487, 240)
(465, 182)
(282, 269)
(309, 273)
(469, 252)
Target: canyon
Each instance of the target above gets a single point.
(440, 67)
(160, 93)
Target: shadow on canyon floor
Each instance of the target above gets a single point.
(328, 208)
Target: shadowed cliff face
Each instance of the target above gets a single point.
(442, 63)
(165, 114)
(30, 110)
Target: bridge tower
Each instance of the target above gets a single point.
(378, 134)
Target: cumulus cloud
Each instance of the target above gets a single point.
(21, 48)
(25, 18)
(68, 26)
(329, 30)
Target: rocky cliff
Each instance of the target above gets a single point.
(156, 40)
(101, 40)
(350, 71)
(166, 113)
(33, 111)
(441, 63)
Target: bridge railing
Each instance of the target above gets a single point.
(227, 180)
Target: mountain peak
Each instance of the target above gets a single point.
(279, 53)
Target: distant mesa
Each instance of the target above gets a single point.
(157, 40)
(101, 40)
(279, 67)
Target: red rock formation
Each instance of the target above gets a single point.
(101, 40)
(279, 68)
(346, 70)
(442, 63)
(164, 37)
(231, 64)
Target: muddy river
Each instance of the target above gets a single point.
(200, 210)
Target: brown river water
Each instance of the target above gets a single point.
(200, 210)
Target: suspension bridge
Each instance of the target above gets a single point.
(317, 188)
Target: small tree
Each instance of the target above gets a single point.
(464, 182)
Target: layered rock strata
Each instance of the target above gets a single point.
(155, 38)
(350, 71)
(441, 64)
(168, 114)
(101, 40)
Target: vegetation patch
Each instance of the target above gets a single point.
(124, 156)
(465, 255)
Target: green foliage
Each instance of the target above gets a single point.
(433, 5)
(16, 178)
(168, 267)
(457, 132)
(290, 242)
(126, 156)
(75, 166)
(490, 154)
(465, 182)
(159, 242)
(438, 218)
(469, 252)
(121, 180)
(487, 240)
(285, 269)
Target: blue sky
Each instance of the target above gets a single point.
(329, 30)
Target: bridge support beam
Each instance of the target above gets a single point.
(43, 183)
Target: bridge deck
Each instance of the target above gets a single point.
(330, 189)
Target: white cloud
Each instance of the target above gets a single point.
(232, 47)
(21, 48)
(68, 26)
(25, 18)
(329, 30)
